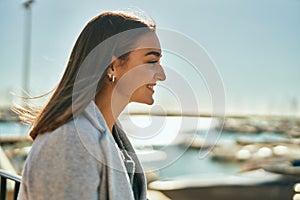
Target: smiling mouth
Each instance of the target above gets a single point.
(150, 87)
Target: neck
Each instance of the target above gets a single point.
(110, 108)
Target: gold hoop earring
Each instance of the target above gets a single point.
(111, 77)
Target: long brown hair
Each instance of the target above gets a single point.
(66, 103)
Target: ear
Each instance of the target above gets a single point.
(114, 66)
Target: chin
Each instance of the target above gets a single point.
(147, 102)
(150, 103)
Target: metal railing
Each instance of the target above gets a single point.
(9, 176)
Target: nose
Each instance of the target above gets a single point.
(160, 74)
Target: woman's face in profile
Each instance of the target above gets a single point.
(141, 71)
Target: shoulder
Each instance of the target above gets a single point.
(60, 157)
(77, 138)
(83, 138)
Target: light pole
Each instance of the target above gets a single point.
(27, 47)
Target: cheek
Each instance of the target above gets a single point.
(142, 95)
(139, 91)
(135, 79)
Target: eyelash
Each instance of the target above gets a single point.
(152, 61)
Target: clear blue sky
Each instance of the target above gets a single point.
(255, 44)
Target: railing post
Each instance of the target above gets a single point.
(16, 191)
(3, 188)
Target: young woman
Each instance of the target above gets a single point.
(78, 151)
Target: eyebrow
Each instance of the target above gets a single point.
(155, 53)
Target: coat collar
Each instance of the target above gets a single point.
(93, 114)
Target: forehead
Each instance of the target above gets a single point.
(148, 41)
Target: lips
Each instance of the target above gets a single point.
(151, 86)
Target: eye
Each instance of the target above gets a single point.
(152, 61)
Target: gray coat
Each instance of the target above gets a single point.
(80, 160)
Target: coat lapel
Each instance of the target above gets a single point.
(114, 183)
(140, 180)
